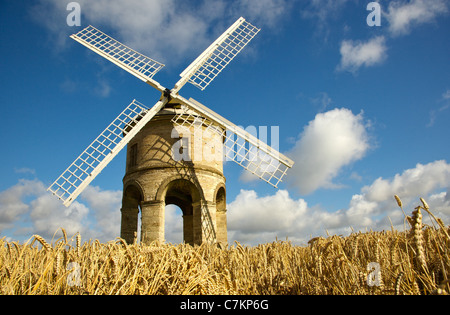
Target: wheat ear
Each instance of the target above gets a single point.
(43, 242)
(439, 221)
(418, 238)
(78, 244)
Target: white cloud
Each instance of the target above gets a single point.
(48, 215)
(425, 181)
(355, 54)
(325, 12)
(440, 205)
(434, 113)
(402, 16)
(422, 179)
(105, 206)
(446, 95)
(253, 219)
(264, 12)
(12, 201)
(103, 89)
(331, 141)
(322, 101)
(166, 30)
(247, 177)
(27, 208)
(151, 27)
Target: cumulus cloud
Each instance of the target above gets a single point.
(167, 30)
(105, 206)
(27, 208)
(47, 215)
(355, 54)
(403, 16)
(430, 181)
(264, 12)
(12, 201)
(325, 12)
(422, 179)
(331, 141)
(254, 219)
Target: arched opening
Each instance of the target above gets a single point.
(173, 224)
(221, 200)
(131, 201)
(221, 215)
(183, 194)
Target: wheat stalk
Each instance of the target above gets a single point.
(332, 265)
(43, 242)
(438, 220)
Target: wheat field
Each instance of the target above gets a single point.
(411, 262)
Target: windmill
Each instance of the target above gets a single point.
(198, 186)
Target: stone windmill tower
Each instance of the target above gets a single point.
(159, 173)
(175, 149)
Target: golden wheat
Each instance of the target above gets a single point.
(410, 262)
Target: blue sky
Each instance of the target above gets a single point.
(363, 111)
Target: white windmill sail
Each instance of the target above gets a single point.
(240, 146)
(100, 152)
(128, 59)
(203, 70)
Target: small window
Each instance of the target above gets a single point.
(132, 159)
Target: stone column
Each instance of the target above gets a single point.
(152, 221)
(188, 231)
(129, 220)
(129, 224)
(204, 222)
(221, 222)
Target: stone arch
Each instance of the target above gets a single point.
(135, 186)
(170, 182)
(220, 195)
(186, 196)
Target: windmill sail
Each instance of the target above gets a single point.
(100, 152)
(218, 55)
(128, 59)
(240, 146)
